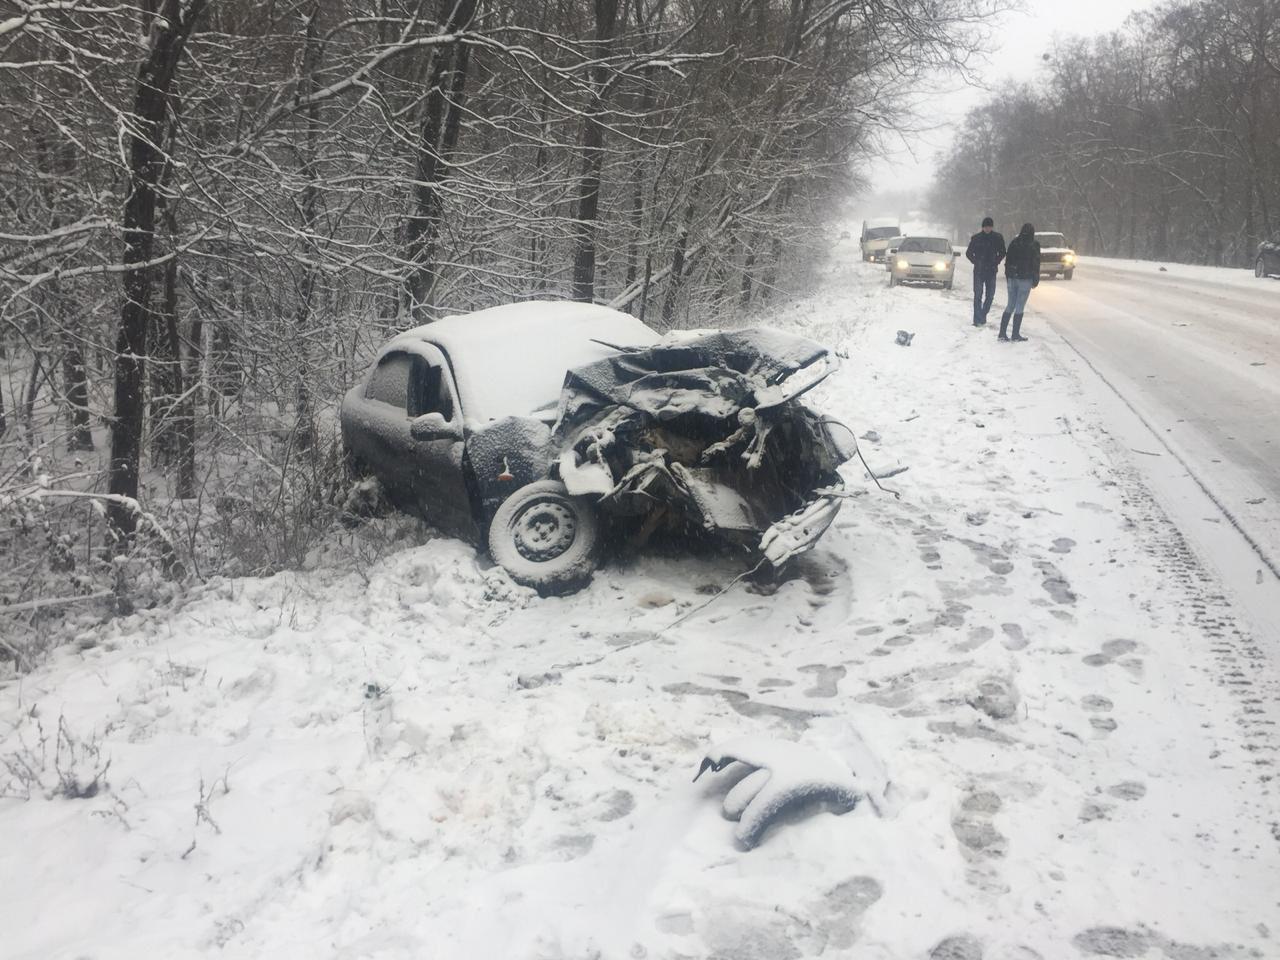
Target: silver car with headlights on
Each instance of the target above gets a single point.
(923, 260)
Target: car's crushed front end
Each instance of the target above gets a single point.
(708, 433)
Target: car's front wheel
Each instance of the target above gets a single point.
(1259, 268)
(545, 538)
(1067, 275)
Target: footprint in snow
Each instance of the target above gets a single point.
(980, 842)
(834, 918)
(615, 805)
(962, 947)
(977, 637)
(1093, 810)
(1099, 706)
(1054, 583)
(1111, 652)
(995, 697)
(1062, 545)
(1135, 944)
(1015, 639)
(1128, 790)
(826, 679)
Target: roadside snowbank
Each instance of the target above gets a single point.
(1154, 270)
(415, 758)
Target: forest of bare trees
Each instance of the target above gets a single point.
(213, 210)
(1160, 140)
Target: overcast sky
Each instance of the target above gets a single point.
(1019, 43)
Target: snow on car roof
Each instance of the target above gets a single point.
(511, 360)
(882, 222)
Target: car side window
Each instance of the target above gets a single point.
(429, 390)
(390, 382)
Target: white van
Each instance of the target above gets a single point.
(876, 235)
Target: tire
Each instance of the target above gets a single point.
(545, 538)
(1259, 269)
(1067, 275)
(946, 285)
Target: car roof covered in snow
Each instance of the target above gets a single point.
(882, 222)
(511, 360)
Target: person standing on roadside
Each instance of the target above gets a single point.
(986, 250)
(1021, 274)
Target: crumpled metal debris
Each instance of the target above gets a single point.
(711, 430)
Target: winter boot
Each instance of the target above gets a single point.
(1017, 328)
(1004, 326)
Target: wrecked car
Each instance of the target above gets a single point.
(540, 427)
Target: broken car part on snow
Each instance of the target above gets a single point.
(531, 424)
(782, 777)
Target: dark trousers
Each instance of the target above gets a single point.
(984, 291)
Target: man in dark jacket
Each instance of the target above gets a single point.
(986, 250)
(1021, 274)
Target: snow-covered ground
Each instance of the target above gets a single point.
(1068, 735)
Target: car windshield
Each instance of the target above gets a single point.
(881, 233)
(1051, 239)
(924, 245)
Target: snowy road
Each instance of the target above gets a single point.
(399, 754)
(1197, 352)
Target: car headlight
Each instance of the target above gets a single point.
(940, 265)
(903, 265)
(1068, 258)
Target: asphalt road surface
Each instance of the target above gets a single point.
(1198, 358)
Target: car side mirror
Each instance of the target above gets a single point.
(433, 426)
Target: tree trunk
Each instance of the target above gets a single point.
(304, 430)
(76, 390)
(28, 408)
(167, 33)
(587, 220)
(441, 123)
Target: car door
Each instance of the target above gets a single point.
(437, 443)
(423, 473)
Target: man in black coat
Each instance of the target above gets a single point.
(1021, 274)
(986, 250)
